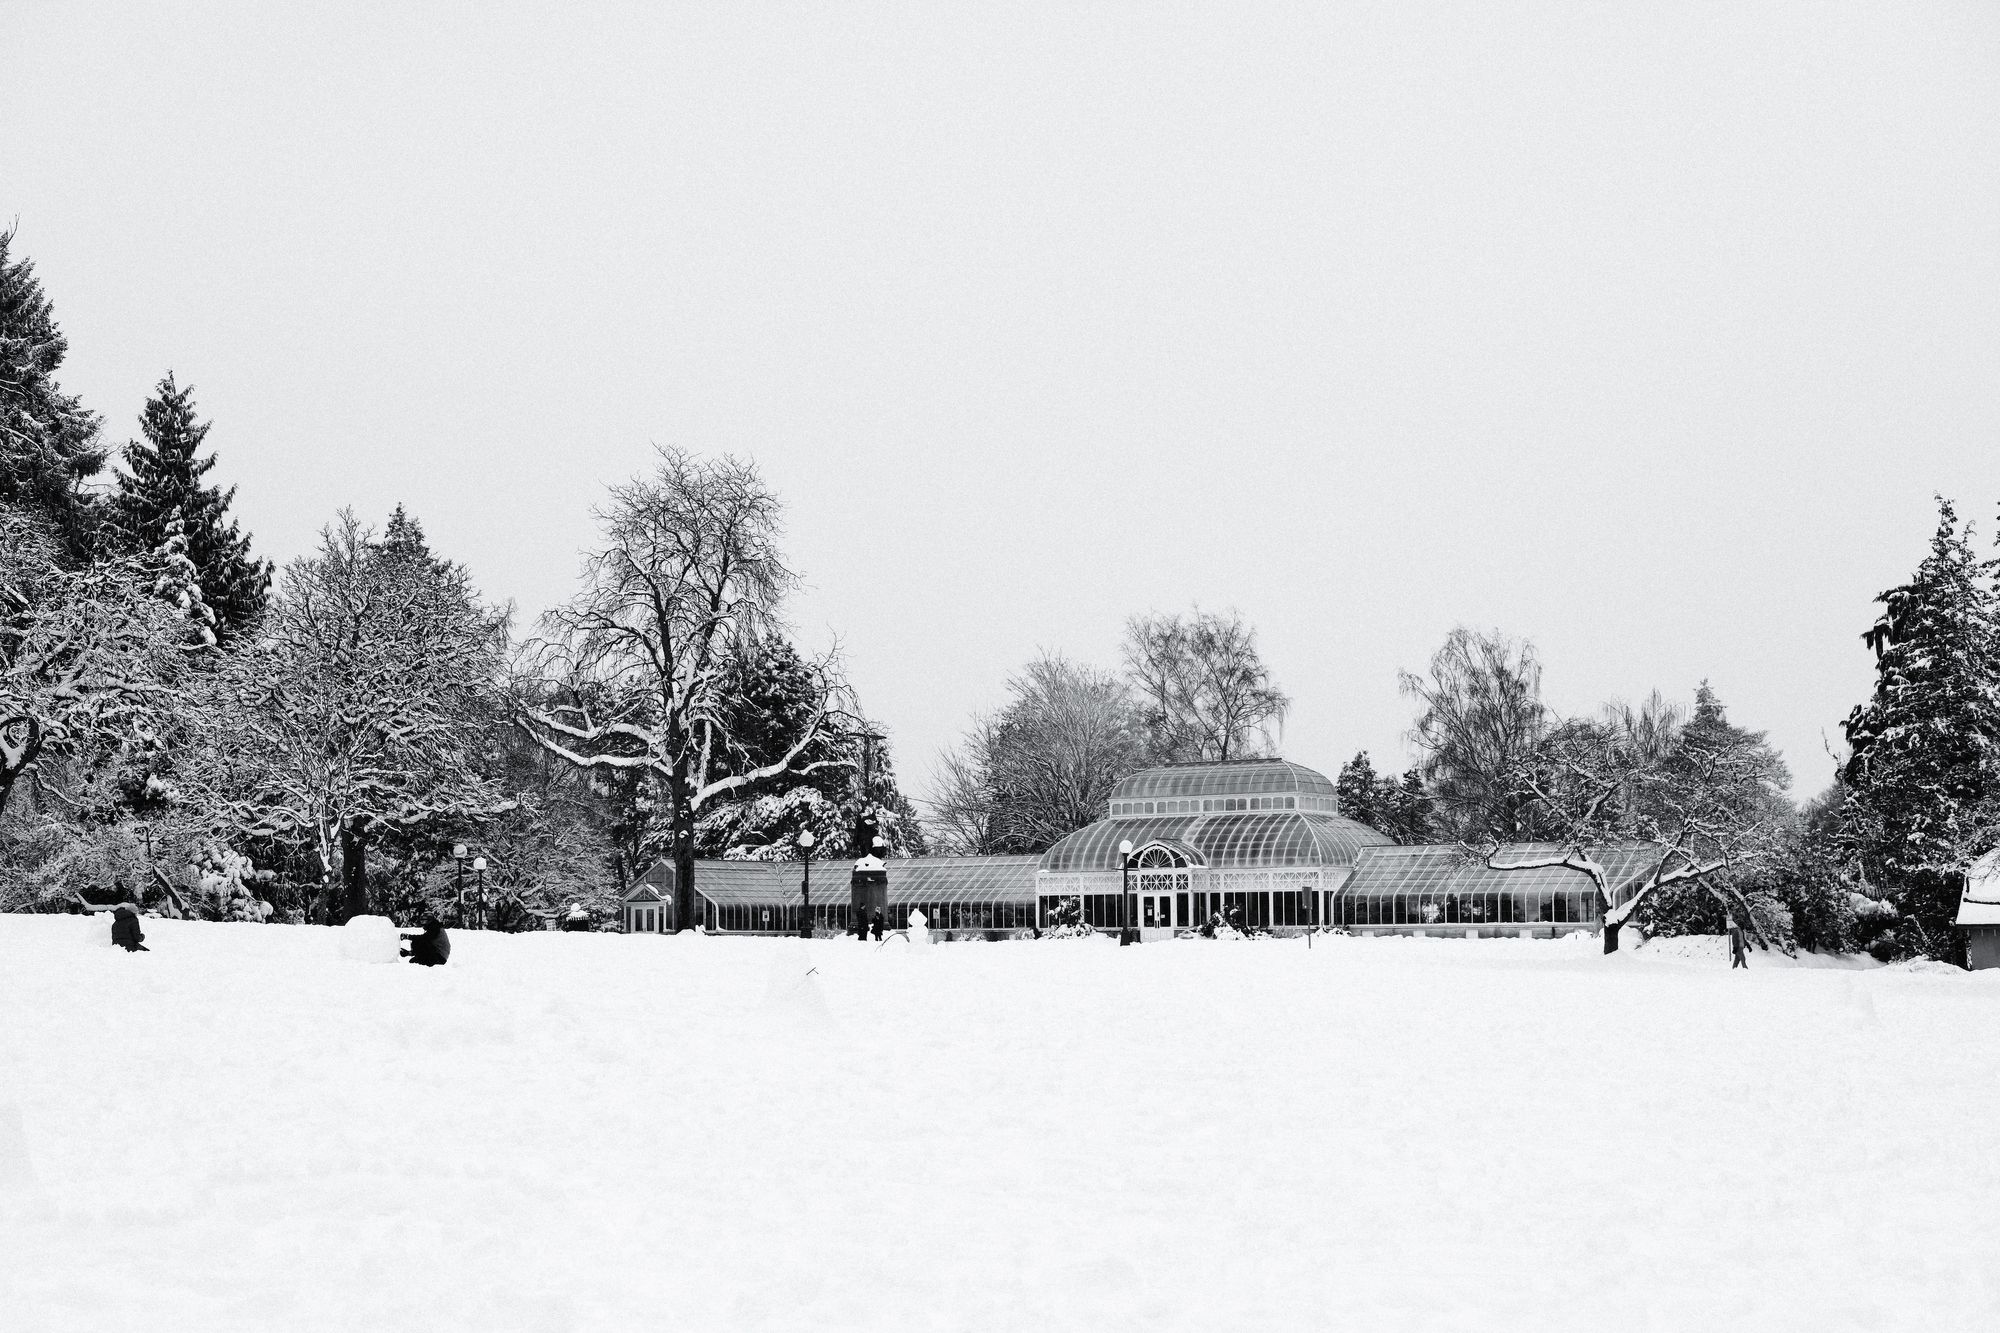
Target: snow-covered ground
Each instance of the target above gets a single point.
(243, 1130)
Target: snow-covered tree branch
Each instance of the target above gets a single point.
(1698, 795)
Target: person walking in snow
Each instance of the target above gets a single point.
(125, 932)
(1736, 955)
(875, 925)
(433, 947)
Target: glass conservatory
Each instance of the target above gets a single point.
(1257, 839)
(1258, 836)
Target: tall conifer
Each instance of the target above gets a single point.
(48, 442)
(1924, 773)
(163, 484)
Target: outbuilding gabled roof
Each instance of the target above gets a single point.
(1979, 901)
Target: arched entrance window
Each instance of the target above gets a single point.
(1162, 874)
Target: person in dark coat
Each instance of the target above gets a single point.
(875, 924)
(125, 932)
(1736, 956)
(433, 947)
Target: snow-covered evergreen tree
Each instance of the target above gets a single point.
(770, 696)
(1356, 791)
(1402, 809)
(178, 582)
(1409, 814)
(48, 441)
(163, 485)
(1924, 770)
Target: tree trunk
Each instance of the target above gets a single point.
(683, 842)
(1611, 936)
(353, 872)
(20, 744)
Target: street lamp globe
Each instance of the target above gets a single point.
(806, 839)
(458, 851)
(479, 863)
(1125, 847)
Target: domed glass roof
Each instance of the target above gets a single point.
(1225, 841)
(1234, 777)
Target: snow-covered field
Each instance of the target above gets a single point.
(243, 1130)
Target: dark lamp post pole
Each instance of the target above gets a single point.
(1125, 892)
(458, 879)
(806, 841)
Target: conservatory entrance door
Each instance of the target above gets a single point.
(1158, 891)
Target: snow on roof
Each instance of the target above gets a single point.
(1979, 901)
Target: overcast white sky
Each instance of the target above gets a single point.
(1644, 331)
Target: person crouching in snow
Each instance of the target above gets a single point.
(125, 932)
(433, 947)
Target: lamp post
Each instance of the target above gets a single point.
(458, 879)
(806, 841)
(479, 888)
(1125, 892)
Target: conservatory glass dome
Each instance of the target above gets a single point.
(1250, 814)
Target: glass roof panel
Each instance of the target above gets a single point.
(1381, 871)
(1247, 777)
(1225, 842)
(940, 879)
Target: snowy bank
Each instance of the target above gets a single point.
(244, 1130)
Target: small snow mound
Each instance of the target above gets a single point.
(793, 987)
(17, 1171)
(95, 928)
(1682, 949)
(1859, 1004)
(370, 939)
(1927, 966)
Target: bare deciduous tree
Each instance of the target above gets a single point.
(631, 673)
(1205, 693)
(1480, 717)
(1043, 766)
(358, 708)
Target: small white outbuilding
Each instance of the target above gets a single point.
(1979, 911)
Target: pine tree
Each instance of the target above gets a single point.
(1924, 771)
(164, 483)
(404, 537)
(1357, 791)
(1409, 815)
(48, 442)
